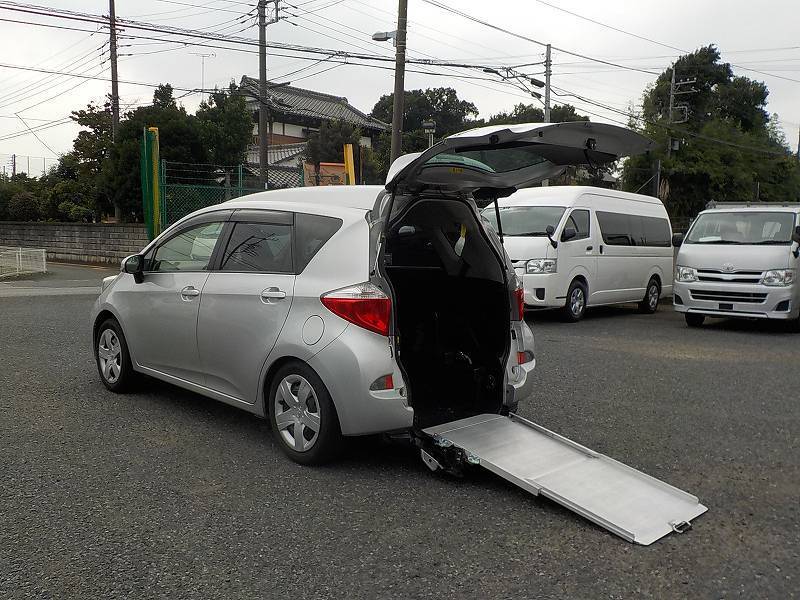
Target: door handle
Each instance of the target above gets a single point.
(272, 293)
(601, 248)
(589, 248)
(189, 292)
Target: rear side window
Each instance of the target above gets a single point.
(632, 230)
(312, 232)
(259, 247)
(656, 232)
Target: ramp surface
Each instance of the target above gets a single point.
(627, 502)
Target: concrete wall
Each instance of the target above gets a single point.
(97, 243)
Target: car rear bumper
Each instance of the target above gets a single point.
(348, 366)
(736, 300)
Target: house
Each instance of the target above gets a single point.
(295, 112)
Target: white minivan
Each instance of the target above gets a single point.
(577, 246)
(740, 261)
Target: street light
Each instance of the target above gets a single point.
(385, 36)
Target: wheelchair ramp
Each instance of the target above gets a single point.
(635, 506)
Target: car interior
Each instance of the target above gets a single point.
(451, 309)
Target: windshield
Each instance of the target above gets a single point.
(525, 220)
(744, 227)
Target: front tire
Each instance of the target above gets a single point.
(694, 320)
(652, 295)
(575, 305)
(303, 417)
(112, 357)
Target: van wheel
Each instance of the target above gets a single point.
(649, 303)
(112, 357)
(575, 306)
(694, 320)
(304, 420)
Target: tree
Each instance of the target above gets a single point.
(327, 145)
(530, 113)
(226, 126)
(729, 145)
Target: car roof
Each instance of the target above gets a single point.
(567, 195)
(765, 207)
(355, 197)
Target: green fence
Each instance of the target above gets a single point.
(186, 188)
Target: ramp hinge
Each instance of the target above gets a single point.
(680, 526)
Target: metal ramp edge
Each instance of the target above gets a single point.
(627, 502)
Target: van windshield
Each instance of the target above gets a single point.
(525, 220)
(746, 227)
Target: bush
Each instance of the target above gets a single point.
(23, 206)
(70, 211)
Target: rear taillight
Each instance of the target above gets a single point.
(519, 296)
(363, 304)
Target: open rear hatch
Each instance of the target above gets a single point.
(489, 163)
(496, 160)
(627, 502)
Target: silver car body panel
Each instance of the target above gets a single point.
(627, 502)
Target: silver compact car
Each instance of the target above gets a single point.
(342, 311)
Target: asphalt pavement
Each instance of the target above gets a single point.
(164, 494)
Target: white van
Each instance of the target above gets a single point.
(576, 246)
(740, 261)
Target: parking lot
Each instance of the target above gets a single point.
(163, 493)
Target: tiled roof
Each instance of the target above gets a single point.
(289, 100)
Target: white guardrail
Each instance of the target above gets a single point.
(21, 261)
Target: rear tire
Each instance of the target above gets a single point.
(652, 295)
(575, 305)
(694, 320)
(302, 414)
(112, 357)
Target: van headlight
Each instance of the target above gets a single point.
(541, 265)
(778, 277)
(685, 274)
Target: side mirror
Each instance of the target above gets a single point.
(550, 230)
(677, 239)
(796, 240)
(134, 265)
(568, 234)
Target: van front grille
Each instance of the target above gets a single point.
(720, 296)
(731, 277)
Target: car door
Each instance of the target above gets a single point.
(576, 255)
(161, 311)
(246, 301)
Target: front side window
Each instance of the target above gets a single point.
(259, 247)
(746, 227)
(190, 250)
(579, 221)
(525, 220)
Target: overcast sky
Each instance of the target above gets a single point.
(753, 35)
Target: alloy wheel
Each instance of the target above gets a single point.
(109, 353)
(652, 296)
(577, 301)
(297, 413)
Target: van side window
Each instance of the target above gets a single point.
(579, 221)
(259, 247)
(616, 229)
(633, 230)
(312, 232)
(656, 232)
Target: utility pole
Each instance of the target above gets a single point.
(798, 144)
(399, 79)
(547, 71)
(13, 165)
(674, 90)
(112, 30)
(263, 141)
